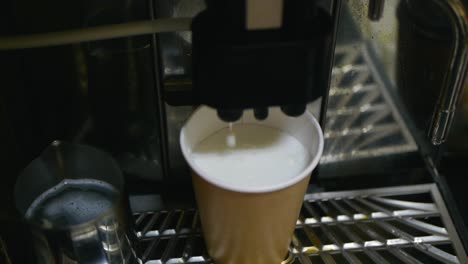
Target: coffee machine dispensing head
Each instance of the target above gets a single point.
(255, 54)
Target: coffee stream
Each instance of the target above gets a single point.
(231, 137)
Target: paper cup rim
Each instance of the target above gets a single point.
(255, 189)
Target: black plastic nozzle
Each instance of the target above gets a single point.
(293, 110)
(261, 113)
(230, 115)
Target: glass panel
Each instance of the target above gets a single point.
(387, 77)
(363, 120)
(99, 93)
(175, 51)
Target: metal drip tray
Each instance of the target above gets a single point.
(407, 224)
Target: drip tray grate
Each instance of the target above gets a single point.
(407, 224)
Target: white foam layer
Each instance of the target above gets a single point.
(261, 156)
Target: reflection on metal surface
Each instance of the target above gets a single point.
(455, 76)
(362, 120)
(4, 258)
(94, 33)
(407, 224)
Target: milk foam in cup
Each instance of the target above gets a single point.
(250, 181)
(251, 155)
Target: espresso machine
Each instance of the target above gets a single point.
(384, 78)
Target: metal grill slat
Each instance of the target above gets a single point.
(173, 240)
(336, 227)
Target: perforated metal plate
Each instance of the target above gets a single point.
(387, 225)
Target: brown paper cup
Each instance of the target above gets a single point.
(252, 225)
